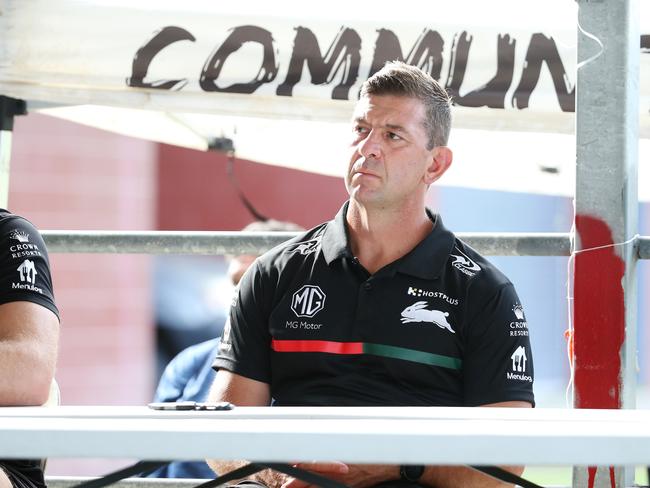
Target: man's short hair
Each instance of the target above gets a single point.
(401, 79)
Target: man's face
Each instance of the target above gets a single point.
(389, 159)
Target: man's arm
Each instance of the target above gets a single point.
(455, 476)
(361, 476)
(28, 346)
(242, 392)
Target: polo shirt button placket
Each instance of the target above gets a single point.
(367, 286)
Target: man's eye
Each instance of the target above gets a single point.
(393, 136)
(360, 130)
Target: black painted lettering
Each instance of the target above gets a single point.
(426, 53)
(645, 43)
(458, 63)
(246, 33)
(342, 57)
(143, 57)
(541, 50)
(493, 93)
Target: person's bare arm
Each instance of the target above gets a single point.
(242, 392)
(360, 476)
(28, 347)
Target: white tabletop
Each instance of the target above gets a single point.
(362, 435)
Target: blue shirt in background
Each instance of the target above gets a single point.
(188, 377)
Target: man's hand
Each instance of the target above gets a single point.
(353, 475)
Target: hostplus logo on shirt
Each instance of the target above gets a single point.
(419, 292)
(519, 360)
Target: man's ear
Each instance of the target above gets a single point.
(441, 157)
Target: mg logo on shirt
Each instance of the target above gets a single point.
(308, 301)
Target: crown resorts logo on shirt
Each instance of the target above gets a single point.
(518, 311)
(19, 235)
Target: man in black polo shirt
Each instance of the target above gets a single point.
(29, 331)
(382, 305)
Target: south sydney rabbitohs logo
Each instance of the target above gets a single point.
(418, 313)
(464, 264)
(308, 301)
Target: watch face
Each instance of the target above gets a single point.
(411, 472)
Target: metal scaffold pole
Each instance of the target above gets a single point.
(606, 250)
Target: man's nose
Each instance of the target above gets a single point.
(370, 147)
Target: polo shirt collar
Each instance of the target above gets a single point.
(428, 258)
(425, 261)
(335, 243)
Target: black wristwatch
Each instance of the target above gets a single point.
(411, 472)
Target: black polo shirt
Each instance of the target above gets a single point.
(440, 326)
(24, 263)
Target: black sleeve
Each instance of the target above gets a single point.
(24, 264)
(245, 347)
(498, 363)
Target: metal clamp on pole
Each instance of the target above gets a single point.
(10, 107)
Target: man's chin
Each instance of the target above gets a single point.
(365, 196)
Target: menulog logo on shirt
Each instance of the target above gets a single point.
(27, 273)
(519, 360)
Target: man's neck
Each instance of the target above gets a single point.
(380, 236)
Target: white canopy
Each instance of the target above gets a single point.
(187, 72)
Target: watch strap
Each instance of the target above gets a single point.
(411, 472)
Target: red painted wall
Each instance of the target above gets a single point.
(194, 192)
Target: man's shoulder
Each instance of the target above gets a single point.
(15, 226)
(476, 270)
(24, 263)
(304, 246)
